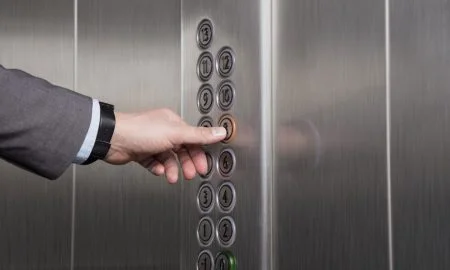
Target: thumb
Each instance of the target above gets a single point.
(199, 135)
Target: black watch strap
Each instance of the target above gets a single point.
(105, 132)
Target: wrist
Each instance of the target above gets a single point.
(117, 153)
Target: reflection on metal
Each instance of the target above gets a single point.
(330, 192)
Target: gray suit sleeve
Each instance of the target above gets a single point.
(42, 126)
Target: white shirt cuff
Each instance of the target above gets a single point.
(89, 140)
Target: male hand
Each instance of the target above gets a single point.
(156, 138)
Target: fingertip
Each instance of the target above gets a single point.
(219, 132)
(158, 170)
(172, 174)
(172, 178)
(189, 174)
(201, 135)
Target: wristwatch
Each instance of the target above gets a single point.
(104, 135)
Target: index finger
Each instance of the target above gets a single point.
(199, 135)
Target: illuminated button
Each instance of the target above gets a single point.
(205, 66)
(229, 124)
(210, 162)
(226, 231)
(205, 122)
(226, 197)
(205, 198)
(225, 96)
(226, 261)
(205, 34)
(205, 98)
(205, 231)
(225, 62)
(205, 261)
(226, 162)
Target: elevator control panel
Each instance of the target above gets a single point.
(217, 196)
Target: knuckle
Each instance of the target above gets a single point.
(170, 114)
(166, 111)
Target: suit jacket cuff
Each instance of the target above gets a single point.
(89, 141)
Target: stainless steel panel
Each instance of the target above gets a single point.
(330, 135)
(129, 55)
(35, 214)
(237, 25)
(420, 97)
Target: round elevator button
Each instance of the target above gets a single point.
(205, 122)
(226, 231)
(225, 62)
(205, 261)
(229, 124)
(205, 231)
(205, 34)
(225, 95)
(226, 162)
(205, 66)
(205, 98)
(226, 197)
(205, 198)
(225, 261)
(210, 162)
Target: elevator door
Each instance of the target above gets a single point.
(330, 135)
(420, 98)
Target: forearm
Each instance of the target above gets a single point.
(42, 126)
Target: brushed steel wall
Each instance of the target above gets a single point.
(35, 214)
(330, 135)
(420, 98)
(329, 127)
(128, 55)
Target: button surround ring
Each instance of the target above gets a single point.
(232, 125)
(201, 75)
(226, 175)
(210, 256)
(205, 88)
(210, 207)
(220, 89)
(208, 23)
(229, 51)
(211, 238)
(230, 242)
(229, 209)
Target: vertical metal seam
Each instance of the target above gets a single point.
(273, 123)
(75, 87)
(183, 221)
(388, 132)
(266, 137)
